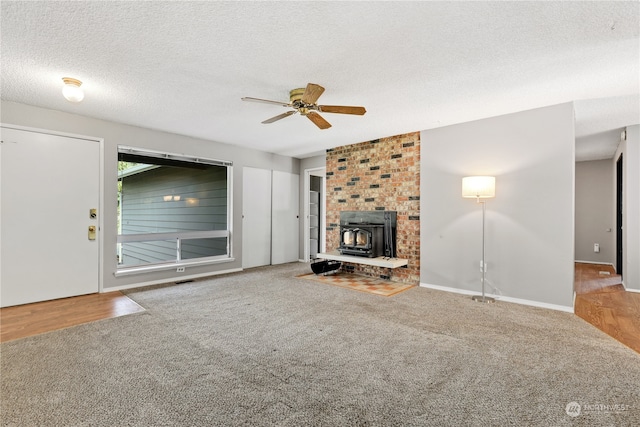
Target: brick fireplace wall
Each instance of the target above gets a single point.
(383, 174)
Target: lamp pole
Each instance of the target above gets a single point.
(483, 298)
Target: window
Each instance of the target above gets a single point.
(172, 209)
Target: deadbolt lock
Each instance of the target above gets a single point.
(92, 232)
(93, 213)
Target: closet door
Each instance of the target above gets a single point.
(285, 226)
(256, 217)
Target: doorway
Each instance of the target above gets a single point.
(51, 215)
(619, 216)
(314, 215)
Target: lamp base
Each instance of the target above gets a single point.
(481, 298)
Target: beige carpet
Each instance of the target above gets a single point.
(264, 348)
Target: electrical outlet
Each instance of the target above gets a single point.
(180, 269)
(596, 247)
(485, 267)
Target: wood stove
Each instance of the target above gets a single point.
(367, 233)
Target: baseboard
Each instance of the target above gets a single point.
(596, 263)
(173, 280)
(502, 298)
(556, 307)
(448, 289)
(629, 289)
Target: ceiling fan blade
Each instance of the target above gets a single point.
(341, 109)
(318, 120)
(265, 101)
(311, 93)
(279, 116)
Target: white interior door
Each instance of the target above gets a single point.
(256, 217)
(48, 185)
(285, 225)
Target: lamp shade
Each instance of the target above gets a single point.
(479, 187)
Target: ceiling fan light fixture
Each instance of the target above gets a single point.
(72, 90)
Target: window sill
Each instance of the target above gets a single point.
(127, 271)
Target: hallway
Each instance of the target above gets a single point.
(602, 301)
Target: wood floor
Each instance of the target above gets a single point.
(602, 301)
(32, 319)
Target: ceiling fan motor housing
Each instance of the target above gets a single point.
(295, 97)
(296, 94)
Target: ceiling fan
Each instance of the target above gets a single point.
(303, 101)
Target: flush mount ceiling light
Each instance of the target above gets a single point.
(71, 90)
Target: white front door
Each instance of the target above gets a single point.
(49, 185)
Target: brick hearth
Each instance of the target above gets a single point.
(383, 174)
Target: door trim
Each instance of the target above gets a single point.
(306, 212)
(100, 142)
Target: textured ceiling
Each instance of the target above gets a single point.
(182, 67)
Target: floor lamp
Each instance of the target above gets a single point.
(480, 188)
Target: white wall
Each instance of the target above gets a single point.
(595, 220)
(530, 222)
(115, 134)
(631, 203)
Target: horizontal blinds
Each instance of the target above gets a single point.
(136, 155)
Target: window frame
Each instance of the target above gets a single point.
(179, 263)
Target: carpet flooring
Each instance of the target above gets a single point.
(264, 348)
(360, 283)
